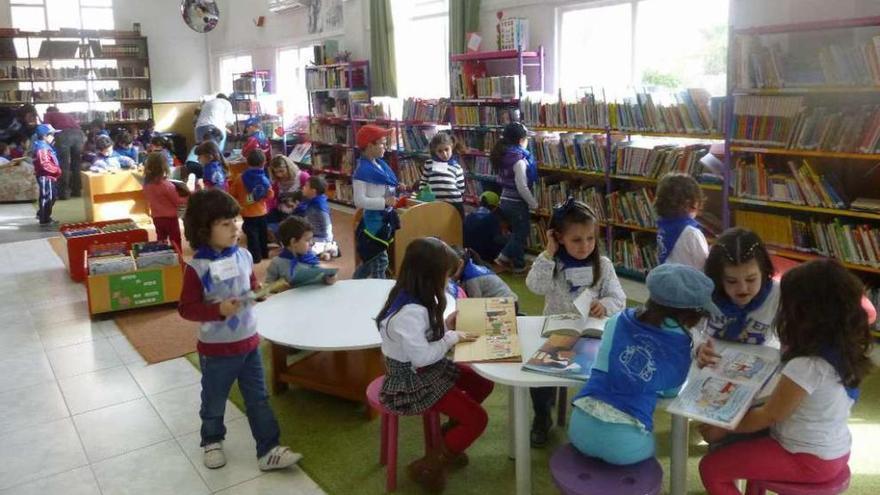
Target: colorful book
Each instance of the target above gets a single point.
(493, 321)
(565, 356)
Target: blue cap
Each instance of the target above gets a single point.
(681, 286)
(252, 121)
(44, 130)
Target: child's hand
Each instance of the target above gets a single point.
(706, 355)
(229, 307)
(712, 434)
(451, 320)
(597, 310)
(552, 243)
(330, 279)
(466, 337)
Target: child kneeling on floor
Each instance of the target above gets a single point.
(216, 285)
(419, 376)
(295, 235)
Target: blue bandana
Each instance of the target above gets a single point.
(736, 318)
(402, 299)
(668, 232)
(472, 270)
(569, 261)
(214, 173)
(452, 289)
(370, 173)
(834, 359)
(309, 259)
(319, 202)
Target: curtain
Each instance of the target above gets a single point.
(382, 60)
(464, 17)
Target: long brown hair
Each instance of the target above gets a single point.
(154, 167)
(211, 149)
(820, 314)
(426, 267)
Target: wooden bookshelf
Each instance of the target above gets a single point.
(805, 153)
(807, 209)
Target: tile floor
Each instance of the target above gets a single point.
(82, 414)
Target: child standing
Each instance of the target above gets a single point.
(375, 188)
(419, 376)
(316, 210)
(644, 353)
(477, 279)
(164, 198)
(47, 171)
(482, 229)
(569, 266)
(679, 239)
(287, 180)
(442, 173)
(215, 283)
(256, 138)
(214, 169)
(251, 190)
(826, 340)
(517, 172)
(295, 235)
(162, 145)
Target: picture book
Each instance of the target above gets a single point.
(722, 394)
(308, 275)
(267, 290)
(567, 356)
(577, 324)
(493, 320)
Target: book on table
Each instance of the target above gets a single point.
(566, 356)
(493, 320)
(308, 275)
(578, 324)
(721, 395)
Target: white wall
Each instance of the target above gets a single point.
(747, 13)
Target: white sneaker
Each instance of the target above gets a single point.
(214, 457)
(279, 458)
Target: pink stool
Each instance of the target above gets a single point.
(388, 447)
(834, 487)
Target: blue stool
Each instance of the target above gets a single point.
(577, 474)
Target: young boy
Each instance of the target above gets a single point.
(482, 228)
(215, 284)
(679, 239)
(316, 210)
(295, 235)
(47, 171)
(256, 139)
(251, 189)
(125, 146)
(107, 160)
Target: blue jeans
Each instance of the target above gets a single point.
(517, 215)
(218, 373)
(614, 443)
(374, 268)
(203, 129)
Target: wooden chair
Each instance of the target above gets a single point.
(436, 219)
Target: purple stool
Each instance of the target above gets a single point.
(577, 474)
(388, 445)
(834, 487)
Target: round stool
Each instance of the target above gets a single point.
(833, 487)
(577, 474)
(388, 434)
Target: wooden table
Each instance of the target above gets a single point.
(111, 196)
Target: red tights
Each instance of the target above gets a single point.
(462, 404)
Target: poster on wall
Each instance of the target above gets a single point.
(325, 16)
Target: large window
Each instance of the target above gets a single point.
(291, 80)
(652, 44)
(37, 15)
(229, 65)
(421, 42)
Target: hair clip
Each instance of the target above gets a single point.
(561, 209)
(745, 254)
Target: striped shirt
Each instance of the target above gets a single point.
(445, 179)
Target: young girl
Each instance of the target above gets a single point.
(679, 239)
(569, 266)
(476, 278)
(214, 169)
(419, 376)
(644, 353)
(287, 179)
(517, 172)
(164, 198)
(162, 145)
(826, 344)
(375, 189)
(442, 173)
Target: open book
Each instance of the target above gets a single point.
(307, 275)
(578, 324)
(494, 321)
(567, 356)
(721, 395)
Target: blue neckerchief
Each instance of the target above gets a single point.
(736, 318)
(255, 177)
(834, 360)
(214, 173)
(452, 288)
(402, 299)
(568, 261)
(309, 259)
(668, 232)
(208, 253)
(517, 153)
(472, 270)
(260, 137)
(319, 202)
(368, 172)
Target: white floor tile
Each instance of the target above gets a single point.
(38, 452)
(160, 469)
(83, 358)
(276, 483)
(126, 352)
(24, 370)
(241, 456)
(46, 315)
(80, 481)
(159, 377)
(108, 328)
(118, 429)
(179, 409)
(99, 389)
(69, 333)
(16, 341)
(30, 406)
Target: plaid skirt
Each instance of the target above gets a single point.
(408, 392)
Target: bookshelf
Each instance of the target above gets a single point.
(247, 88)
(92, 74)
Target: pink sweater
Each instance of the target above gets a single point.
(163, 199)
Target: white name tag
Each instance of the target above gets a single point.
(224, 269)
(440, 167)
(579, 277)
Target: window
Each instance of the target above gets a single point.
(421, 43)
(37, 15)
(651, 44)
(234, 64)
(291, 80)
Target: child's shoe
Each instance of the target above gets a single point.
(540, 431)
(429, 472)
(279, 458)
(214, 457)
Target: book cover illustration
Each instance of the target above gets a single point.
(566, 356)
(493, 320)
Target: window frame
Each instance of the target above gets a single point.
(289, 116)
(432, 14)
(219, 87)
(42, 5)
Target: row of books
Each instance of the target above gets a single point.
(344, 191)
(646, 160)
(551, 194)
(153, 255)
(335, 77)
(119, 50)
(248, 107)
(796, 183)
(479, 165)
(421, 110)
(634, 207)
(475, 140)
(330, 134)
(573, 151)
(371, 110)
(251, 84)
(328, 106)
(116, 115)
(121, 226)
(497, 87)
(848, 242)
(15, 95)
(417, 138)
(125, 93)
(56, 95)
(125, 71)
(635, 254)
(485, 116)
(409, 172)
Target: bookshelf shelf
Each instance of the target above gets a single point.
(632, 226)
(496, 55)
(806, 90)
(812, 26)
(586, 130)
(567, 171)
(800, 255)
(807, 153)
(702, 137)
(810, 209)
(486, 101)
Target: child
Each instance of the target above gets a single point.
(164, 198)
(315, 208)
(295, 235)
(251, 190)
(442, 173)
(162, 145)
(482, 229)
(419, 376)
(107, 160)
(146, 136)
(644, 353)
(287, 179)
(47, 171)
(477, 279)
(214, 169)
(256, 139)
(125, 146)
(826, 345)
(679, 239)
(569, 266)
(517, 172)
(375, 187)
(215, 284)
